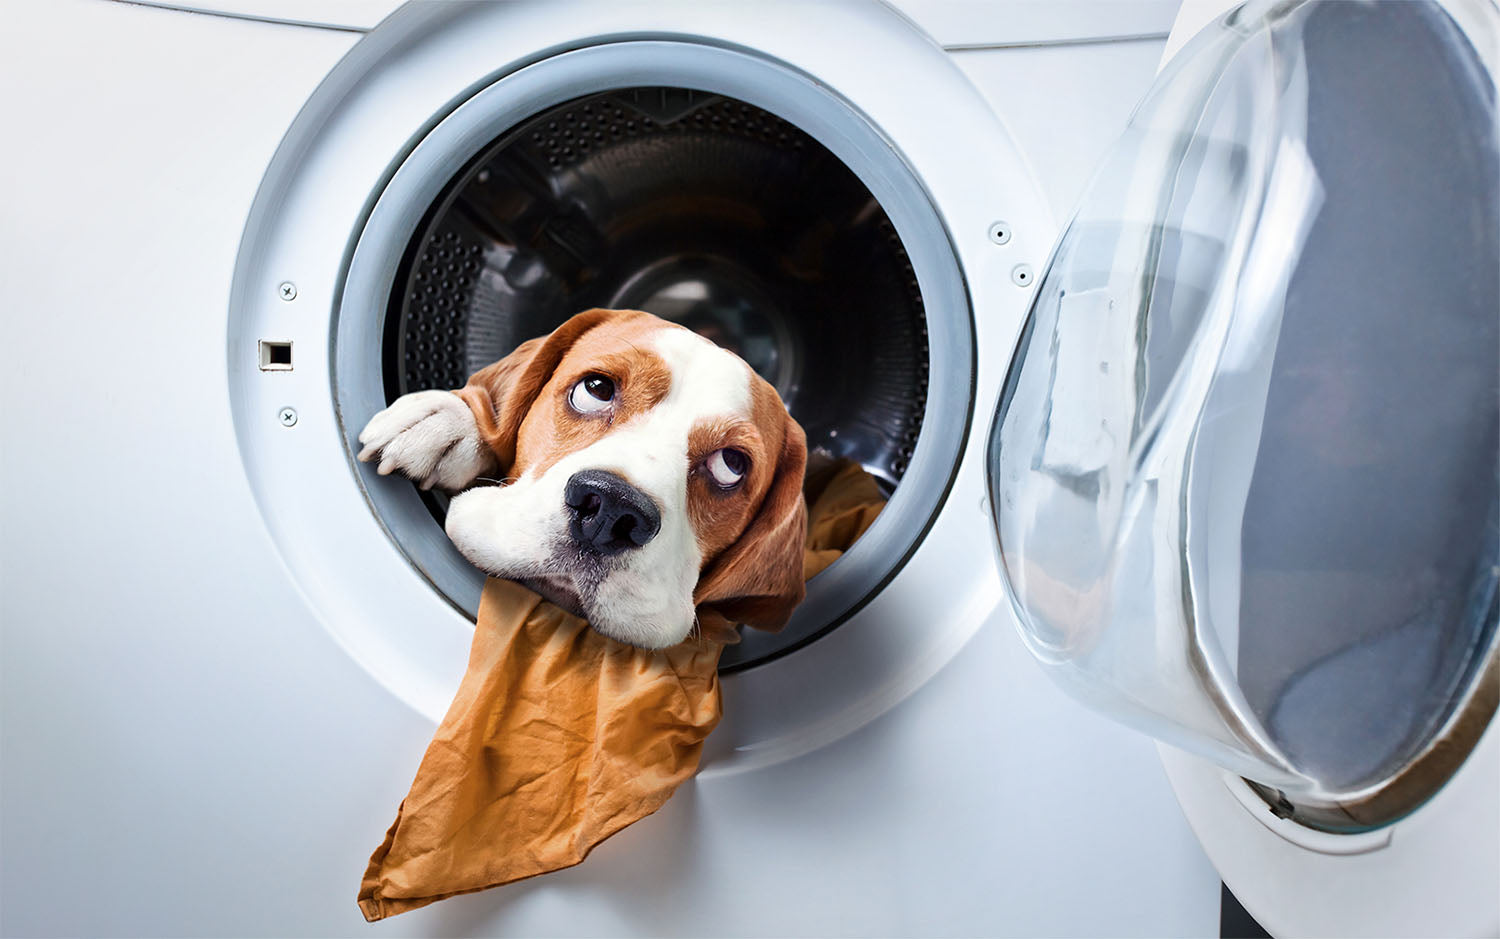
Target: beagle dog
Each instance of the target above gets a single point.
(648, 479)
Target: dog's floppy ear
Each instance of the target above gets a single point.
(502, 393)
(757, 581)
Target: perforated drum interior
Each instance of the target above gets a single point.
(709, 212)
(695, 207)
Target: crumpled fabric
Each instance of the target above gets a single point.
(559, 737)
(843, 501)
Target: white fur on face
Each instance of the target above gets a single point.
(643, 596)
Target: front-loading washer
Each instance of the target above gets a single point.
(443, 198)
(232, 650)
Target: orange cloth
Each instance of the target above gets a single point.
(842, 502)
(559, 737)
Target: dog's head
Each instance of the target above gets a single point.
(650, 476)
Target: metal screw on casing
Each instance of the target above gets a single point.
(1021, 274)
(287, 290)
(1000, 233)
(287, 416)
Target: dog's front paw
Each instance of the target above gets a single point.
(429, 436)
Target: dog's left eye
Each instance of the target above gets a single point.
(727, 467)
(593, 392)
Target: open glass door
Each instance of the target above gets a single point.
(1245, 471)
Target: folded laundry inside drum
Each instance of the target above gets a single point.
(696, 207)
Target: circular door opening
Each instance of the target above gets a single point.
(373, 156)
(718, 214)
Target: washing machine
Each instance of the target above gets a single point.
(235, 230)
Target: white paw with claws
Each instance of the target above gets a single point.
(429, 436)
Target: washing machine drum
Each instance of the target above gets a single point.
(1244, 471)
(698, 208)
(716, 214)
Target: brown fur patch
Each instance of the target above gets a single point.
(719, 516)
(618, 351)
(757, 578)
(521, 402)
(501, 395)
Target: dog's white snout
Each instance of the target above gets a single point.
(466, 528)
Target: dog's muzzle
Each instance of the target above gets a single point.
(609, 515)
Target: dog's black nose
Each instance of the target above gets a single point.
(609, 514)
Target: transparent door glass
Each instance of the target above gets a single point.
(1246, 468)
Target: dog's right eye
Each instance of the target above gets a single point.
(594, 392)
